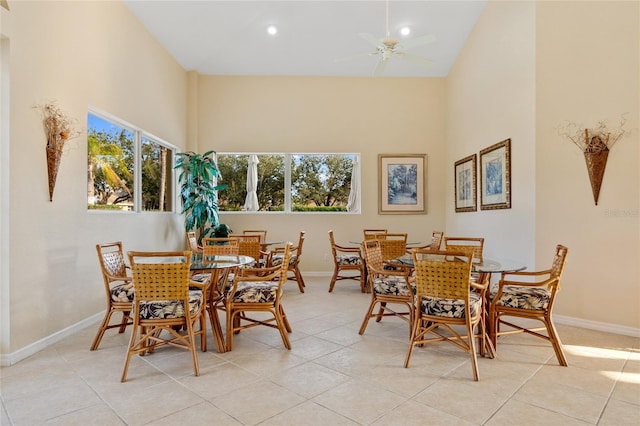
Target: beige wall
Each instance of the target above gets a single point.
(526, 69)
(490, 98)
(307, 114)
(587, 71)
(80, 54)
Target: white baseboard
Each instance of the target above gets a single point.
(14, 357)
(598, 326)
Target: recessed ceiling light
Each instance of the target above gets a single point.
(405, 31)
(272, 29)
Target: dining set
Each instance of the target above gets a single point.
(166, 296)
(446, 293)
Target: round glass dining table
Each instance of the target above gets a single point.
(218, 267)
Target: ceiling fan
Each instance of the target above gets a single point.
(388, 47)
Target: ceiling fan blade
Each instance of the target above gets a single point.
(418, 41)
(425, 62)
(372, 40)
(380, 68)
(349, 58)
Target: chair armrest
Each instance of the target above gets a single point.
(526, 273)
(197, 284)
(543, 283)
(125, 279)
(347, 249)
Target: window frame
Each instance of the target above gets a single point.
(138, 135)
(288, 158)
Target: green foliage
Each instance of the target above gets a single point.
(233, 172)
(110, 162)
(299, 208)
(198, 193)
(321, 180)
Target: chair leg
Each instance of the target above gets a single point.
(282, 328)
(299, 279)
(216, 328)
(102, 329)
(472, 349)
(555, 341)
(192, 344)
(415, 326)
(125, 320)
(285, 320)
(333, 280)
(381, 311)
(363, 327)
(127, 359)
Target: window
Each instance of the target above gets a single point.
(123, 162)
(289, 182)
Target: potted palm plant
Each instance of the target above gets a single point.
(199, 191)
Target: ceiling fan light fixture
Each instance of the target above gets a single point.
(272, 30)
(405, 31)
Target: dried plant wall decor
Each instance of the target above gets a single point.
(595, 143)
(59, 128)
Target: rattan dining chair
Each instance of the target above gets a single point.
(523, 295)
(192, 242)
(220, 246)
(253, 292)
(260, 232)
(393, 245)
(118, 286)
(166, 302)
(464, 244)
(444, 300)
(251, 245)
(373, 234)
(294, 262)
(387, 287)
(349, 260)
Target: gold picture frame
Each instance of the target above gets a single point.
(402, 182)
(465, 188)
(495, 176)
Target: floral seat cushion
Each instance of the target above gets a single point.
(276, 260)
(122, 292)
(155, 309)
(450, 308)
(255, 292)
(392, 285)
(348, 259)
(532, 298)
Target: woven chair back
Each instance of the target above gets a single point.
(559, 260)
(442, 274)
(262, 233)
(192, 242)
(374, 234)
(436, 240)
(393, 246)
(112, 259)
(373, 255)
(248, 245)
(220, 246)
(161, 275)
(463, 243)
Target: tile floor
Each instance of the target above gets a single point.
(332, 376)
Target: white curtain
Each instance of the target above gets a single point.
(353, 205)
(251, 202)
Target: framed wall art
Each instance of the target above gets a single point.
(402, 183)
(495, 176)
(465, 184)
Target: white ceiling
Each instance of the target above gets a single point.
(230, 38)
